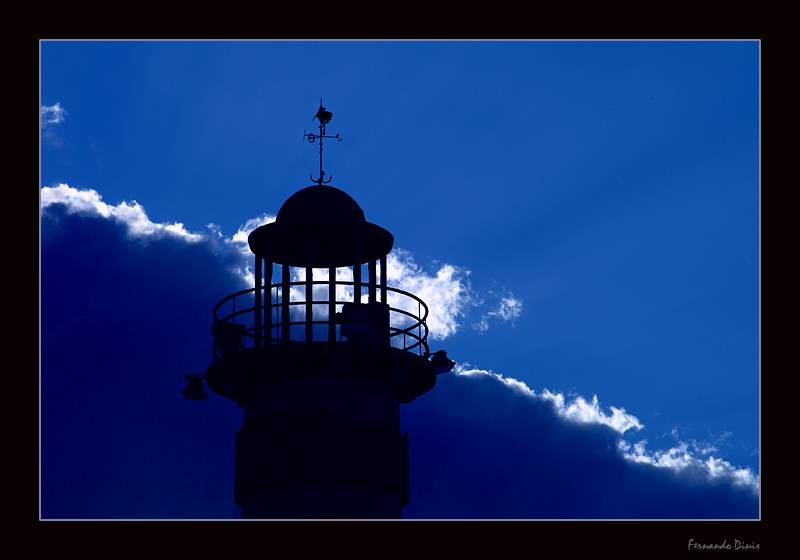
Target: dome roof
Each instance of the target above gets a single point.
(321, 226)
(320, 204)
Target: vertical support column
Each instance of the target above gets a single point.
(357, 273)
(309, 306)
(357, 283)
(372, 281)
(309, 279)
(386, 320)
(384, 295)
(258, 309)
(267, 326)
(285, 302)
(332, 304)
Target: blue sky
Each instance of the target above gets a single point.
(583, 217)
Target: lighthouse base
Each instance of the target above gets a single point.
(321, 437)
(322, 500)
(314, 465)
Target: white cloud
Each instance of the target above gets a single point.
(235, 250)
(581, 410)
(447, 294)
(240, 237)
(506, 310)
(509, 309)
(48, 118)
(689, 456)
(53, 114)
(132, 214)
(576, 410)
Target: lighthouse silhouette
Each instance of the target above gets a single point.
(320, 354)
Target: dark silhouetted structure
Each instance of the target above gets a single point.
(320, 361)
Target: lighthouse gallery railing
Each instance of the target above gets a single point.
(407, 315)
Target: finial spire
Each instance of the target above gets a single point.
(324, 116)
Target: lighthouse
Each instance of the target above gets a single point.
(320, 353)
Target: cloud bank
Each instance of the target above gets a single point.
(125, 313)
(488, 447)
(447, 292)
(130, 215)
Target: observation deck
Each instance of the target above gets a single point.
(331, 334)
(240, 322)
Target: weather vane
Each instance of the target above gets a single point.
(324, 118)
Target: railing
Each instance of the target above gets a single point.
(286, 319)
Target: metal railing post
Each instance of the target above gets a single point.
(285, 303)
(257, 318)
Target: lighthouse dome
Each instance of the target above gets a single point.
(320, 204)
(321, 226)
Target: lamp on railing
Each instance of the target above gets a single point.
(365, 322)
(440, 362)
(228, 337)
(194, 390)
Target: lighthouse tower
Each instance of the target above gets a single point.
(320, 354)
